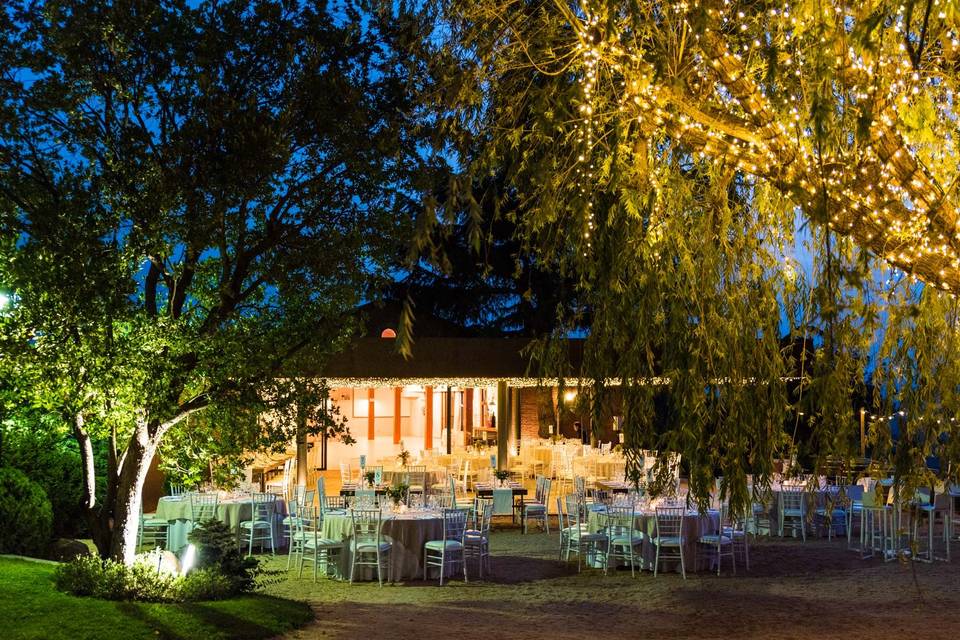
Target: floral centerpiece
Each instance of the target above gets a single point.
(370, 476)
(502, 475)
(404, 456)
(398, 493)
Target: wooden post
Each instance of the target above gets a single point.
(503, 424)
(371, 418)
(428, 426)
(397, 395)
(468, 415)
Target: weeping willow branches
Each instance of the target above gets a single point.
(671, 158)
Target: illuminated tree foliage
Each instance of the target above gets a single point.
(673, 158)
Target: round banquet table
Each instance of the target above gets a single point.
(231, 511)
(694, 525)
(407, 531)
(395, 475)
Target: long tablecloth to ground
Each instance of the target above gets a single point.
(408, 533)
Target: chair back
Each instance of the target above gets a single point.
(298, 492)
(366, 526)
(580, 486)
(308, 497)
(561, 515)
(574, 515)
(346, 475)
(332, 504)
(484, 509)
(619, 521)
(791, 498)
(176, 490)
(465, 474)
(454, 524)
(452, 481)
(602, 496)
(417, 476)
(263, 507)
(670, 521)
(321, 493)
(203, 506)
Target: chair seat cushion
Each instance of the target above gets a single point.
(534, 508)
(438, 545)
(668, 541)
(588, 537)
(713, 538)
(372, 546)
(255, 524)
(155, 522)
(796, 513)
(623, 541)
(322, 543)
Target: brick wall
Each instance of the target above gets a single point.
(530, 399)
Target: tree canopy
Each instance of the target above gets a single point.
(193, 196)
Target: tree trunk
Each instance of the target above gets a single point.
(127, 504)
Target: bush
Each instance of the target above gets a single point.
(109, 580)
(51, 459)
(26, 518)
(217, 549)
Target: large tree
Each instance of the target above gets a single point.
(668, 156)
(192, 196)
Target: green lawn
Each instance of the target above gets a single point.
(30, 607)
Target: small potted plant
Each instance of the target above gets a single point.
(370, 476)
(502, 476)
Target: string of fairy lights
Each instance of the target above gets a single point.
(887, 184)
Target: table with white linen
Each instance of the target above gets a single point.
(230, 510)
(408, 532)
(695, 524)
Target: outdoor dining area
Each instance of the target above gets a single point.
(436, 516)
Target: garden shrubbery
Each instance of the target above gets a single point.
(51, 459)
(26, 518)
(221, 572)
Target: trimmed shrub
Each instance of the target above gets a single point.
(108, 580)
(25, 513)
(217, 549)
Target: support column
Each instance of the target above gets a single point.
(428, 422)
(467, 415)
(515, 418)
(397, 395)
(503, 424)
(371, 418)
(448, 417)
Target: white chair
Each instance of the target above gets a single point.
(417, 479)
(295, 510)
(153, 530)
(203, 506)
(575, 535)
(346, 474)
(537, 510)
(669, 535)
(624, 541)
(718, 544)
(312, 545)
(449, 550)
(476, 542)
(793, 511)
(176, 490)
(736, 530)
(259, 528)
(368, 542)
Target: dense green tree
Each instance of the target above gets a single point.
(192, 196)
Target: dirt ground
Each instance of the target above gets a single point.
(793, 590)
